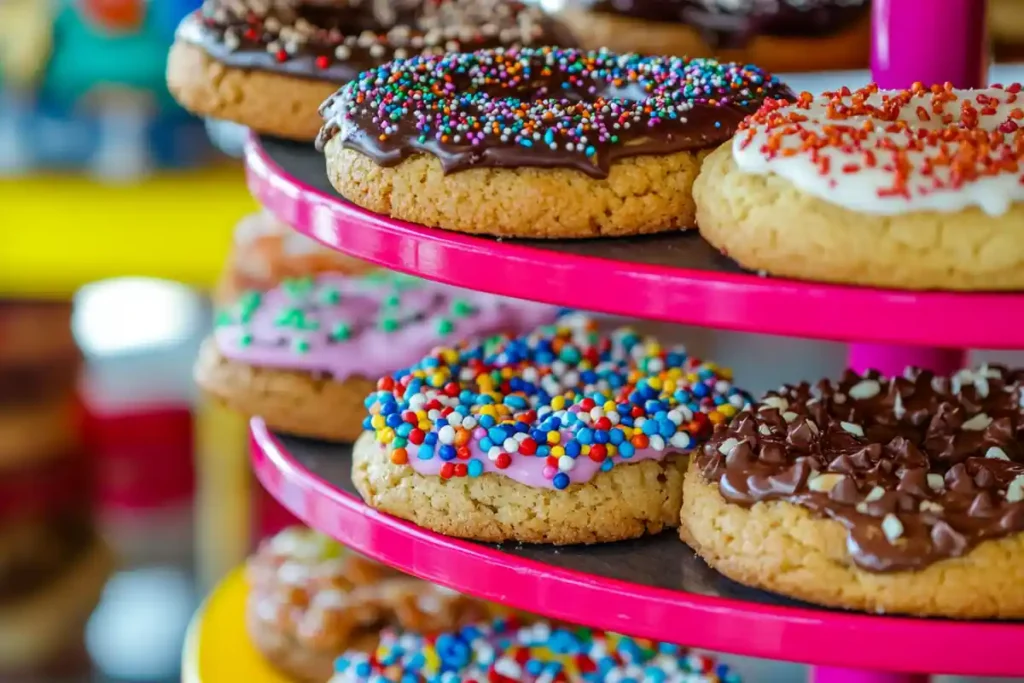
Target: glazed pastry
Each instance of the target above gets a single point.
(535, 142)
(305, 354)
(269, 65)
(311, 600)
(561, 436)
(265, 252)
(502, 651)
(887, 495)
(917, 189)
(779, 35)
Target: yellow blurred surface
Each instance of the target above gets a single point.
(217, 649)
(59, 232)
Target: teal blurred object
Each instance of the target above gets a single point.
(102, 44)
(82, 86)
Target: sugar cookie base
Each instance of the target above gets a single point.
(765, 223)
(289, 401)
(627, 502)
(783, 548)
(269, 103)
(641, 195)
(845, 49)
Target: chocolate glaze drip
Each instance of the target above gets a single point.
(728, 25)
(335, 40)
(917, 468)
(699, 123)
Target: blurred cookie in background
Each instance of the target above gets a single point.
(778, 35)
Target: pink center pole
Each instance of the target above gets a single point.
(931, 41)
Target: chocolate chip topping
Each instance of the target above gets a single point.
(335, 40)
(733, 24)
(917, 468)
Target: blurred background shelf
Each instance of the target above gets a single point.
(60, 232)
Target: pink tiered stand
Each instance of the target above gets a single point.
(656, 587)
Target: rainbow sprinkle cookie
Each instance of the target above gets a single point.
(584, 134)
(551, 408)
(503, 652)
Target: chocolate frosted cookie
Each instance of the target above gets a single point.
(889, 495)
(780, 35)
(269, 65)
(536, 142)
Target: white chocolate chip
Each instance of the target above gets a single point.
(898, 410)
(813, 427)
(727, 445)
(789, 416)
(824, 482)
(936, 482)
(1015, 491)
(978, 423)
(981, 386)
(764, 429)
(930, 506)
(996, 453)
(892, 527)
(874, 494)
(839, 399)
(776, 402)
(868, 388)
(862, 508)
(851, 428)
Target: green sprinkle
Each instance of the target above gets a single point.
(445, 326)
(290, 317)
(330, 296)
(245, 340)
(301, 346)
(462, 308)
(392, 301)
(222, 319)
(297, 287)
(341, 332)
(389, 324)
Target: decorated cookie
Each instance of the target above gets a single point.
(535, 142)
(780, 35)
(270, 65)
(311, 600)
(897, 494)
(502, 651)
(917, 189)
(560, 436)
(265, 252)
(304, 355)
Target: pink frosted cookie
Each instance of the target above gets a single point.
(304, 355)
(562, 436)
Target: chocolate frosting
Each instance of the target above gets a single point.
(543, 108)
(725, 25)
(335, 40)
(917, 468)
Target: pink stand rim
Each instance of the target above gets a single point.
(719, 300)
(803, 635)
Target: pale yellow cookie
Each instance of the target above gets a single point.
(641, 195)
(783, 548)
(271, 103)
(765, 223)
(628, 501)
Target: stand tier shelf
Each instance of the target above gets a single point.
(217, 647)
(654, 587)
